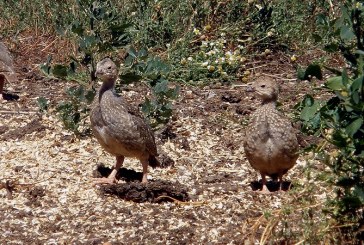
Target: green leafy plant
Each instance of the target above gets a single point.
(43, 104)
(340, 121)
(98, 29)
(139, 65)
(75, 110)
(343, 33)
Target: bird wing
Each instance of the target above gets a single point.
(6, 64)
(126, 124)
(285, 135)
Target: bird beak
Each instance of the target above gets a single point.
(250, 88)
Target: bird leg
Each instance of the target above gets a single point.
(145, 164)
(264, 189)
(280, 178)
(111, 178)
(2, 81)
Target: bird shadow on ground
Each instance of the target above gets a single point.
(271, 185)
(155, 191)
(10, 97)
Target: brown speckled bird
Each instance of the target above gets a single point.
(119, 128)
(6, 68)
(270, 143)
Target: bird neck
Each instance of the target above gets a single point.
(106, 85)
(269, 103)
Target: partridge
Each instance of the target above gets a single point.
(6, 68)
(270, 145)
(120, 129)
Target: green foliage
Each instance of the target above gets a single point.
(313, 70)
(17, 16)
(340, 120)
(98, 28)
(344, 33)
(74, 111)
(42, 104)
(141, 65)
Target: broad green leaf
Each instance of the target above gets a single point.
(90, 41)
(359, 52)
(321, 19)
(359, 192)
(132, 52)
(353, 127)
(161, 87)
(353, 202)
(301, 73)
(333, 47)
(335, 83)
(355, 97)
(42, 103)
(313, 70)
(345, 78)
(143, 53)
(309, 112)
(346, 33)
(308, 100)
(317, 38)
(129, 60)
(77, 28)
(130, 77)
(60, 71)
(357, 84)
(90, 95)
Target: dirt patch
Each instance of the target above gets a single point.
(155, 191)
(34, 126)
(34, 195)
(165, 160)
(231, 98)
(3, 129)
(133, 190)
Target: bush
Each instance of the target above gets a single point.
(340, 120)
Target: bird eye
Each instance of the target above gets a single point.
(262, 86)
(109, 68)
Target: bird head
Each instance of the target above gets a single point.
(106, 70)
(266, 88)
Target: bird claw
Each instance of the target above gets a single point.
(100, 181)
(264, 190)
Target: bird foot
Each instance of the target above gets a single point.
(144, 180)
(264, 190)
(108, 181)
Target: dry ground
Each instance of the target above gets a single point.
(54, 201)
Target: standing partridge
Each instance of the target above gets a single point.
(6, 68)
(270, 143)
(119, 128)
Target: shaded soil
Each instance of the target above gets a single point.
(154, 192)
(34, 126)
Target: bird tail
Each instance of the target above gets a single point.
(153, 161)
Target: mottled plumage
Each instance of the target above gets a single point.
(6, 67)
(119, 128)
(270, 143)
